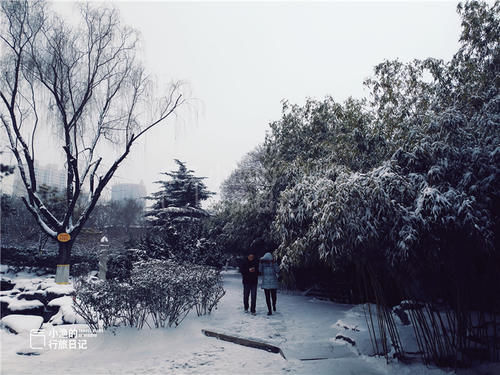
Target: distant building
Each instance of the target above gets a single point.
(128, 191)
(48, 175)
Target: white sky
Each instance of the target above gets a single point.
(239, 60)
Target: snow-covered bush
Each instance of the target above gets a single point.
(209, 290)
(166, 289)
(159, 293)
(119, 265)
(97, 301)
(82, 268)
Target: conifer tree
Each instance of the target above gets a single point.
(179, 199)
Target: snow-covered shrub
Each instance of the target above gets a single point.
(165, 289)
(119, 265)
(158, 292)
(209, 290)
(97, 301)
(81, 269)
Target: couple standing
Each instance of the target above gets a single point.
(250, 270)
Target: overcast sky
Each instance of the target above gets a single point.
(239, 60)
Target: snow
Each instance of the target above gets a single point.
(61, 301)
(66, 314)
(22, 304)
(60, 289)
(7, 299)
(35, 293)
(302, 327)
(41, 221)
(21, 323)
(26, 282)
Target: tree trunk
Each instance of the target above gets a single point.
(63, 263)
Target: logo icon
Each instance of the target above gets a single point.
(37, 339)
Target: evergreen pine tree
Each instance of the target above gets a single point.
(179, 199)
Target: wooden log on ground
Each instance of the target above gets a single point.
(252, 343)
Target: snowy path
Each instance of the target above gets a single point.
(303, 328)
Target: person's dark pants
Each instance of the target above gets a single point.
(270, 294)
(250, 289)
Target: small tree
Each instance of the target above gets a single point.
(88, 81)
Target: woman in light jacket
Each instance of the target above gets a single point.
(269, 271)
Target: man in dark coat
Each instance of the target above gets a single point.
(249, 269)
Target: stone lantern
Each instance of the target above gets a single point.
(103, 257)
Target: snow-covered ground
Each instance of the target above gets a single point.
(304, 328)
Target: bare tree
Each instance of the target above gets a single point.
(89, 85)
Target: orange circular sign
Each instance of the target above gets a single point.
(63, 237)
